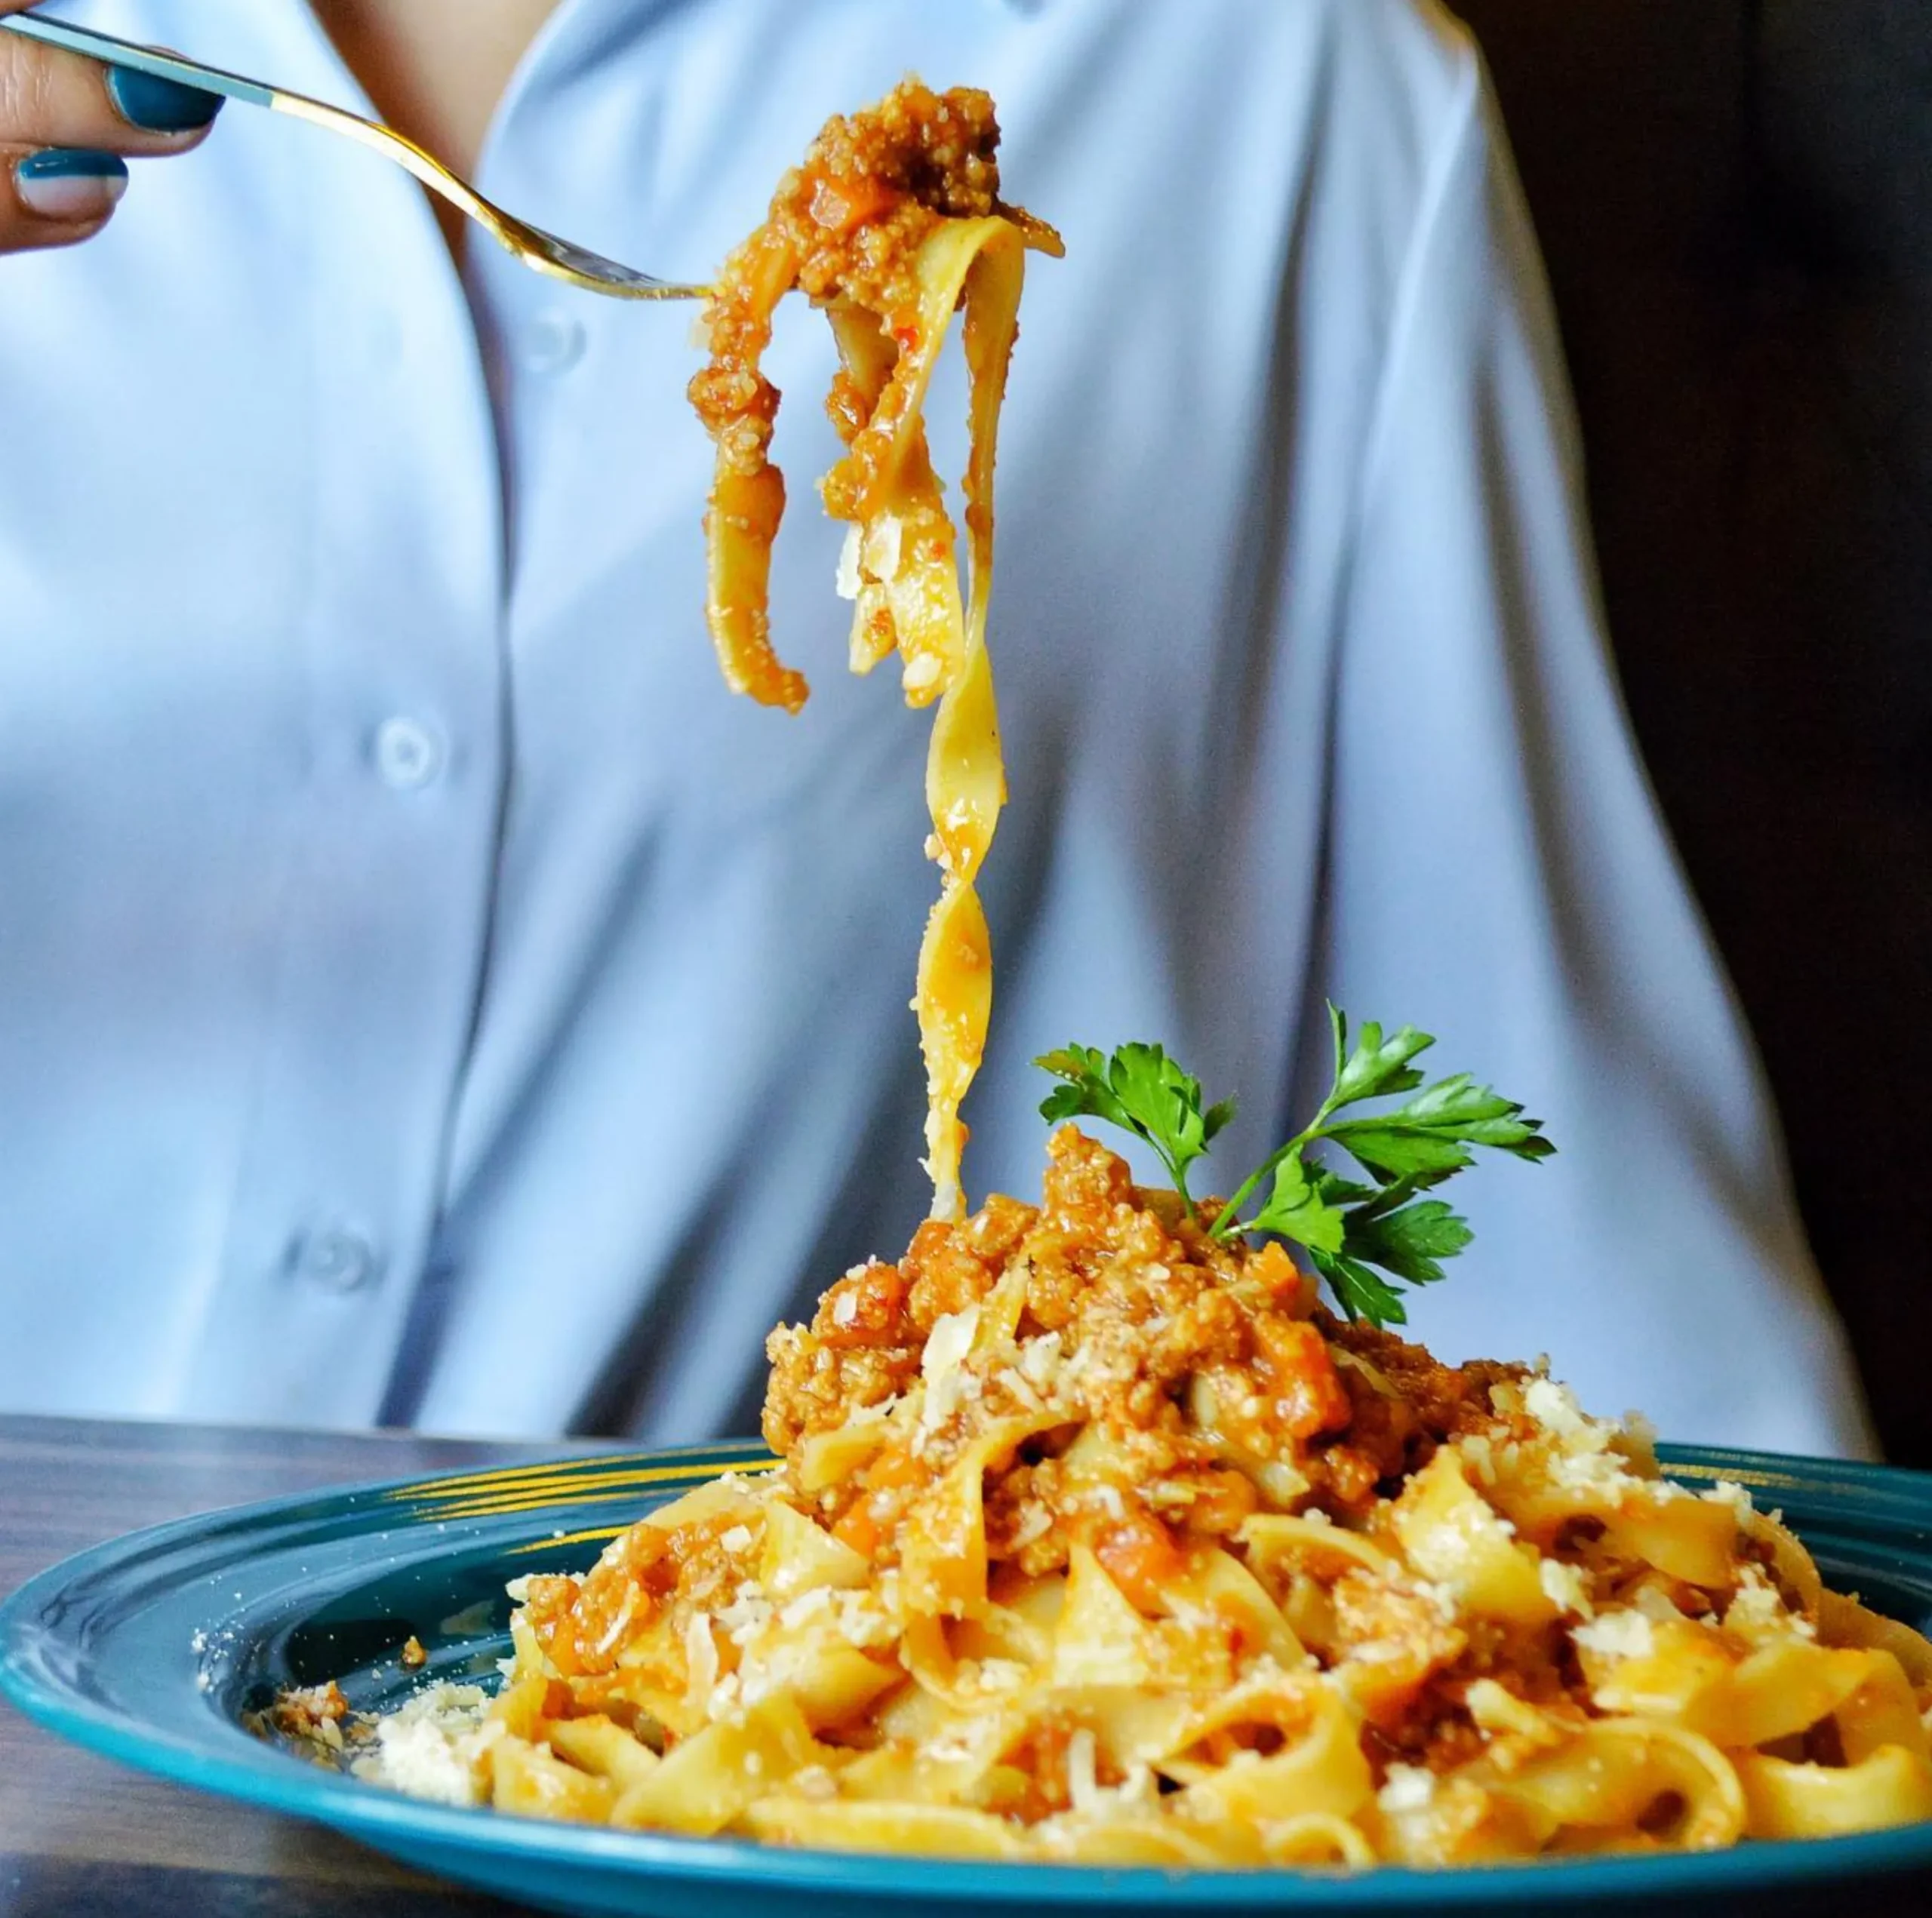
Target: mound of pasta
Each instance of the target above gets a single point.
(1093, 1538)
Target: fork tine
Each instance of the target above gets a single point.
(572, 262)
(562, 259)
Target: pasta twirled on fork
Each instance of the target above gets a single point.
(893, 223)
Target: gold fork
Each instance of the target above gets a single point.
(564, 259)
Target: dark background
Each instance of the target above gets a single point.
(1734, 198)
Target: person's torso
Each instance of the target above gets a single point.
(410, 940)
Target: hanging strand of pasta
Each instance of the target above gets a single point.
(904, 578)
(892, 225)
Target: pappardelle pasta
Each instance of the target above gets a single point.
(893, 223)
(1093, 1538)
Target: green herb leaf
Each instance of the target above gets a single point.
(1358, 1291)
(1165, 1104)
(1377, 1066)
(1298, 1210)
(1391, 1153)
(1430, 1133)
(1430, 1137)
(1087, 1095)
(1340, 1191)
(1410, 1241)
(1366, 1240)
(1142, 1091)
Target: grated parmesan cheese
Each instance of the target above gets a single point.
(846, 578)
(1083, 1786)
(1040, 1360)
(1617, 1635)
(625, 1613)
(1409, 1788)
(1757, 1608)
(421, 1759)
(1657, 1606)
(947, 1344)
(1036, 1520)
(1554, 1407)
(1565, 1587)
(881, 540)
(1001, 1674)
(805, 1607)
(1728, 1491)
(1600, 1471)
(700, 1657)
(429, 1747)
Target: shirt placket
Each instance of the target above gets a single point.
(384, 918)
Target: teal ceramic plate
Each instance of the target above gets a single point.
(152, 1648)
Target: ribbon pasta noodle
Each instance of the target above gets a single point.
(893, 223)
(1092, 1538)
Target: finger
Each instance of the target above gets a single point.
(57, 195)
(51, 98)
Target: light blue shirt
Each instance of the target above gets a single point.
(426, 995)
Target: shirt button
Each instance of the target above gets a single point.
(335, 1261)
(407, 753)
(554, 342)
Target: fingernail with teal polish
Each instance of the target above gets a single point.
(70, 183)
(158, 105)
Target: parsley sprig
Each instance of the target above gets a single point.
(1365, 1239)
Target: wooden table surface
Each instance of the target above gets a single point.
(80, 1836)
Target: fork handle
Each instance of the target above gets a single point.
(117, 52)
(543, 251)
(142, 60)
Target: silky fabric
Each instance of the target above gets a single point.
(426, 995)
